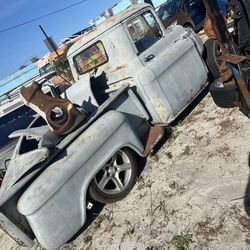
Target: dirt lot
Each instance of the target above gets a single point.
(190, 193)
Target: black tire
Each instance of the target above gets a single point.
(116, 182)
(212, 57)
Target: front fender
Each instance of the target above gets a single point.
(55, 203)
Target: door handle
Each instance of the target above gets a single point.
(149, 58)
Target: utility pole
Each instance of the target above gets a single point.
(49, 42)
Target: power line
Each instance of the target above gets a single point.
(38, 18)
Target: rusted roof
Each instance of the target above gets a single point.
(108, 24)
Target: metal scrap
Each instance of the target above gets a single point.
(46, 106)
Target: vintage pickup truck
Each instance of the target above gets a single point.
(133, 78)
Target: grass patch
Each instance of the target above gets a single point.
(198, 112)
(169, 155)
(88, 240)
(186, 151)
(99, 220)
(141, 183)
(131, 229)
(182, 242)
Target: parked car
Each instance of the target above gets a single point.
(133, 78)
(188, 13)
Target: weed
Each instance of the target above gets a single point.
(88, 240)
(199, 138)
(169, 155)
(198, 112)
(110, 227)
(171, 133)
(131, 229)
(143, 183)
(162, 208)
(173, 185)
(174, 135)
(186, 151)
(66, 248)
(209, 229)
(155, 157)
(99, 220)
(182, 242)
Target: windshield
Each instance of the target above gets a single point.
(170, 9)
(90, 58)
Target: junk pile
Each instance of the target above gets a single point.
(234, 47)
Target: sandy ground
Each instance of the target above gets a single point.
(190, 191)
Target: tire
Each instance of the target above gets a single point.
(116, 178)
(212, 57)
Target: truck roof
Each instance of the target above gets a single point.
(108, 24)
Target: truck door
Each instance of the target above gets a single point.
(173, 59)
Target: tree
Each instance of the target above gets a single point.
(61, 65)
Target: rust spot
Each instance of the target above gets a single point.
(155, 134)
(232, 58)
(44, 105)
(118, 68)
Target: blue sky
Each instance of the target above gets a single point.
(18, 45)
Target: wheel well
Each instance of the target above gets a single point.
(188, 25)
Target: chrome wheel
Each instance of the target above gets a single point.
(115, 179)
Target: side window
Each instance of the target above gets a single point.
(144, 31)
(90, 58)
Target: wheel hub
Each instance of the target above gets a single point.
(111, 170)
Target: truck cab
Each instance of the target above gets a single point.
(163, 66)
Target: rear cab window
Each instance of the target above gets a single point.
(90, 58)
(144, 31)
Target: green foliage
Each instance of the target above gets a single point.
(169, 155)
(186, 151)
(182, 242)
(100, 219)
(198, 112)
(61, 64)
(172, 133)
(87, 240)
